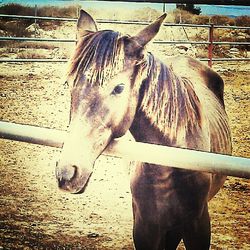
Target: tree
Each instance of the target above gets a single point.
(189, 8)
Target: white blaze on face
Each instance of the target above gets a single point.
(98, 116)
(81, 148)
(84, 142)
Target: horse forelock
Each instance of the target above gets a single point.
(169, 101)
(98, 57)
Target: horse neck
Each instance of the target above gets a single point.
(169, 103)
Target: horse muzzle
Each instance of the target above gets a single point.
(72, 178)
(79, 153)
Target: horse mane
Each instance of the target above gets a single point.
(169, 101)
(183, 111)
(98, 57)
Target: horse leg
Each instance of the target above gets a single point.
(197, 234)
(172, 239)
(146, 233)
(146, 237)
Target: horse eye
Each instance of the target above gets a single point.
(118, 89)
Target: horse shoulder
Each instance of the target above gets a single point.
(198, 73)
(217, 123)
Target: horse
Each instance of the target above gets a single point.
(117, 86)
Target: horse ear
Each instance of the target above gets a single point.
(85, 24)
(148, 33)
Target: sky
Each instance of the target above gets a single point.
(206, 9)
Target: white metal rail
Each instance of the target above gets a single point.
(162, 155)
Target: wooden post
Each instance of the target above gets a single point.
(210, 46)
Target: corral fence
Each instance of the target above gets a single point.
(165, 156)
(210, 43)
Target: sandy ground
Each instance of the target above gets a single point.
(34, 214)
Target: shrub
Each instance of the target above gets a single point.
(17, 9)
(201, 19)
(53, 11)
(190, 8)
(182, 16)
(15, 28)
(18, 28)
(222, 20)
(242, 21)
(31, 55)
(146, 14)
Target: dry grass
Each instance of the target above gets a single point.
(18, 27)
(28, 45)
(50, 11)
(222, 20)
(242, 21)
(15, 28)
(31, 55)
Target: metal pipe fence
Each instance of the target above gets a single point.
(31, 39)
(161, 155)
(36, 39)
(210, 43)
(123, 22)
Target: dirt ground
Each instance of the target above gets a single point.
(34, 214)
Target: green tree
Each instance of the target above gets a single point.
(190, 8)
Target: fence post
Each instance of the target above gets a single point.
(210, 46)
(164, 7)
(78, 9)
(35, 20)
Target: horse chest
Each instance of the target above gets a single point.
(169, 191)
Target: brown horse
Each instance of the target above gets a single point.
(117, 86)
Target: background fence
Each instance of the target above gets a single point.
(210, 43)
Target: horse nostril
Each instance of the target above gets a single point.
(68, 173)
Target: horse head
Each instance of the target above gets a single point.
(106, 71)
